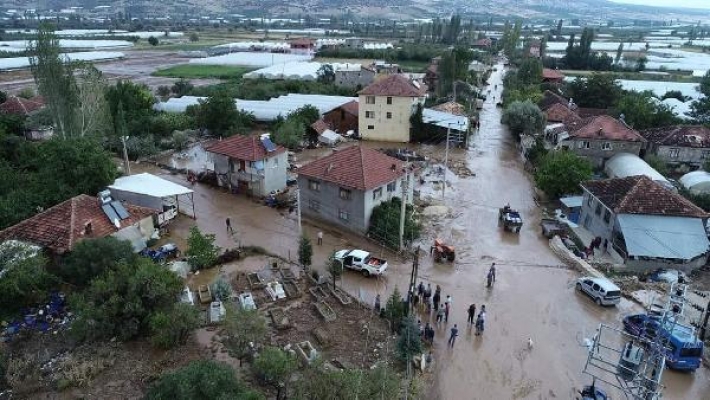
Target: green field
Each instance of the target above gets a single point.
(192, 71)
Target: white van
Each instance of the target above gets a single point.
(602, 290)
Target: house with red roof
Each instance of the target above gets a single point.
(385, 107)
(599, 138)
(344, 187)
(253, 165)
(59, 228)
(649, 225)
(552, 75)
(343, 118)
(680, 145)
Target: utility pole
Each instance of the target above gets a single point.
(126, 163)
(413, 280)
(403, 211)
(446, 162)
(298, 212)
(704, 326)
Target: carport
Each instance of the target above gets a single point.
(148, 190)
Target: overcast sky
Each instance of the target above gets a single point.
(669, 3)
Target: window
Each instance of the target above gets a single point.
(599, 209)
(314, 205)
(584, 145)
(369, 114)
(389, 100)
(389, 115)
(607, 216)
(674, 153)
(344, 215)
(314, 185)
(370, 100)
(606, 146)
(377, 193)
(371, 127)
(391, 187)
(345, 194)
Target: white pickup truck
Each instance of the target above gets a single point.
(360, 260)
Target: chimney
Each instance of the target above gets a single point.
(601, 132)
(88, 228)
(394, 167)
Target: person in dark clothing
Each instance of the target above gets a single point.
(454, 333)
(436, 299)
(471, 314)
(377, 304)
(229, 226)
(427, 298)
(420, 289)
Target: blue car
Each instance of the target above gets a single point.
(593, 393)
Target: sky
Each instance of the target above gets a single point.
(669, 3)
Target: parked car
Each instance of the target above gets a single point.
(602, 290)
(641, 325)
(360, 260)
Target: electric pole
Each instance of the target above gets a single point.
(413, 280)
(446, 162)
(298, 211)
(403, 211)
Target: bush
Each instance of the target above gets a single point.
(384, 223)
(92, 257)
(172, 328)
(242, 329)
(395, 310)
(201, 379)
(305, 252)
(201, 252)
(290, 133)
(274, 367)
(561, 172)
(153, 41)
(23, 284)
(221, 289)
(409, 343)
(524, 118)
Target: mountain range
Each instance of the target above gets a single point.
(586, 10)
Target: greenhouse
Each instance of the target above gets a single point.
(698, 182)
(623, 165)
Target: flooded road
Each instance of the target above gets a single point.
(533, 297)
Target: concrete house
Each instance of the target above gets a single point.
(680, 145)
(354, 75)
(59, 228)
(599, 138)
(250, 164)
(386, 106)
(344, 187)
(647, 224)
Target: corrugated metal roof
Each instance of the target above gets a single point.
(663, 236)
(444, 119)
(572, 201)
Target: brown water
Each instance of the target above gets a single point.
(532, 298)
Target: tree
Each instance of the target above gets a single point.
(704, 86)
(530, 71)
(453, 67)
(335, 267)
(163, 91)
(24, 283)
(217, 113)
(641, 110)
(221, 289)
(136, 101)
(395, 310)
(524, 118)
(182, 88)
(92, 118)
(619, 52)
(381, 383)
(275, 367)
(385, 219)
(153, 41)
(657, 163)
(561, 172)
(307, 114)
(91, 257)
(202, 379)
(121, 301)
(596, 91)
(521, 94)
(3, 96)
(675, 94)
(326, 74)
(173, 327)
(243, 329)
(409, 342)
(194, 37)
(201, 252)
(305, 252)
(290, 133)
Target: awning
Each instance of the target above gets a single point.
(660, 236)
(149, 185)
(572, 201)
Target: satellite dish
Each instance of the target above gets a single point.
(117, 223)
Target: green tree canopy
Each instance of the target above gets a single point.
(121, 301)
(384, 223)
(530, 71)
(305, 251)
(274, 367)
(217, 113)
(290, 133)
(524, 118)
(91, 257)
(201, 252)
(641, 110)
(203, 379)
(172, 327)
(135, 99)
(409, 342)
(243, 327)
(561, 172)
(23, 284)
(596, 91)
(381, 383)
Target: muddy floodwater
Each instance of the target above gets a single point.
(533, 297)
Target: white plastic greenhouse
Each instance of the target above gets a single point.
(698, 182)
(623, 165)
(263, 110)
(298, 70)
(13, 63)
(251, 59)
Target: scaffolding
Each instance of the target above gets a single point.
(634, 364)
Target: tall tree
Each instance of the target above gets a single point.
(92, 118)
(561, 172)
(596, 91)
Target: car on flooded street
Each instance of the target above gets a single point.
(601, 290)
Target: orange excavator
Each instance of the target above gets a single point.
(442, 251)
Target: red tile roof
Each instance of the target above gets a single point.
(548, 73)
(640, 195)
(485, 42)
(561, 113)
(320, 126)
(607, 128)
(355, 167)
(19, 106)
(61, 227)
(351, 107)
(394, 85)
(549, 98)
(586, 112)
(248, 148)
(451, 108)
(680, 135)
